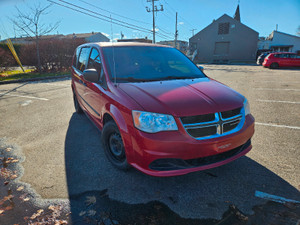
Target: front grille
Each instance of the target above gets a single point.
(214, 124)
(202, 132)
(230, 126)
(198, 119)
(168, 164)
(231, 113)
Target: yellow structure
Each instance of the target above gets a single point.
(13, 51)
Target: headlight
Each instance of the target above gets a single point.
(246, 107)
(153, 122)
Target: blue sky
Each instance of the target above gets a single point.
(260, 15)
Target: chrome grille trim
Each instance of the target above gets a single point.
(219, 122)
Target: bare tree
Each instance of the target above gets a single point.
(29, 24)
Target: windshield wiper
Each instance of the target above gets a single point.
(176, 78)
(130, 79)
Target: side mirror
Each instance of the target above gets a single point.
(91, 75)
(201, 68)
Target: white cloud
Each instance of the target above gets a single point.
(181, 23)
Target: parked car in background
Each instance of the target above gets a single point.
(261, 58)
(282, 59)
(157, 110)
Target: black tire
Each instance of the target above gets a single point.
(113, 146)
(77, 107)
(274, 66)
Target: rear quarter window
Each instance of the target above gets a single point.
(83, 57)
(77, 51)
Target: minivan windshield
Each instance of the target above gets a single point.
(148, 63)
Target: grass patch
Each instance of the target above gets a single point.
(29, 74)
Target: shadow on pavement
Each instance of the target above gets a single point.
(100, 193)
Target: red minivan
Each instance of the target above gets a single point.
(281, 59)
(158, 112)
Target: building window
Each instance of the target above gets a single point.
(223, 28)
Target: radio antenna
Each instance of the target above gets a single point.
(113, 49)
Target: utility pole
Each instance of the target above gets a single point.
(154, 9)
(193, 31)
(176, 32)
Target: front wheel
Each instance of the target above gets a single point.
(113, 145)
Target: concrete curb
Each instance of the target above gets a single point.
(34, 79)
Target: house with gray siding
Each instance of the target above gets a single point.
(225, 40)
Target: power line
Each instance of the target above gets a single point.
(125, 17)
(179, 15)
(108, 17)
(166, 32)
(120, 23)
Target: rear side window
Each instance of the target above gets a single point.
(293, 56)
(83, 57)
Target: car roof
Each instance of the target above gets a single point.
(125, 44)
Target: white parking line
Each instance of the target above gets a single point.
(277, 125)
(276, 89)
(64, 85)
(277, 82)
(275, 101)
(23, 96)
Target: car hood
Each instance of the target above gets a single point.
(184, 97)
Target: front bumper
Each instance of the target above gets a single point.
(266, 64)
(176, 153)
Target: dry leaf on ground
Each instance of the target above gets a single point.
(91, 212)
(90, 200)
(26, 199)
(20, 188)
(82, 213)
(13, 176)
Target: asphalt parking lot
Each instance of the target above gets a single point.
(63, 158)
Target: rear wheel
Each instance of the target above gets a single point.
(113, 145)
(77, 107)
(274, 66)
